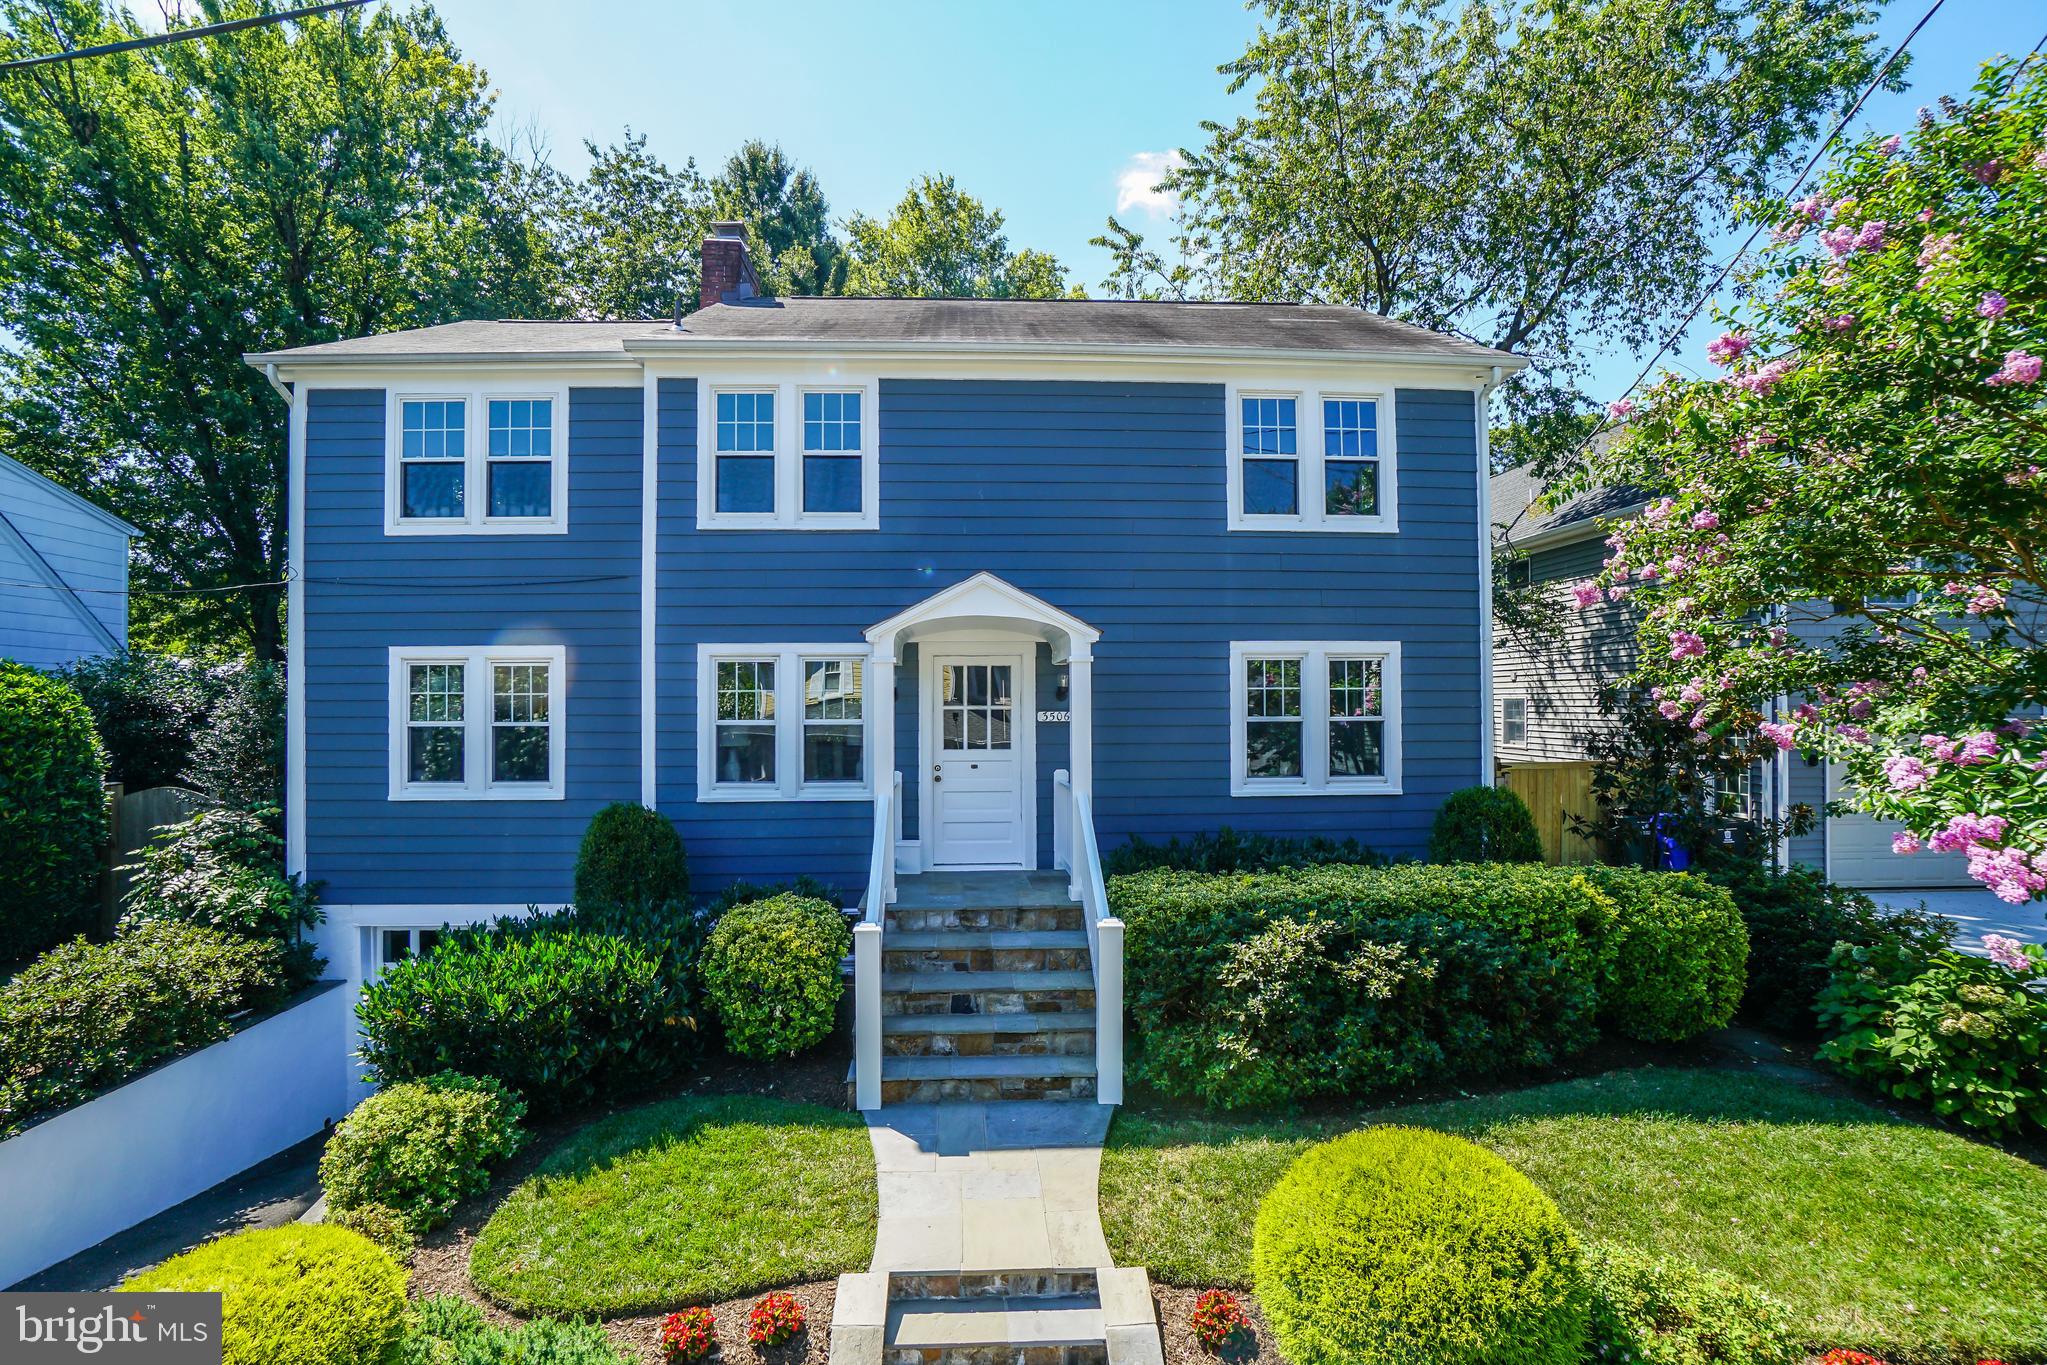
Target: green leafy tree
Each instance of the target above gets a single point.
(633, 228)
(1543, 176)
(164, 211)
(1873, 458)
(788, 217)
(941, 242)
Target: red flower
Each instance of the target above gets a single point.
(1218, 1317)
(775, 1319)
(691, 1334)
(1840, 1355)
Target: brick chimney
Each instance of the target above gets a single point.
(728, 272)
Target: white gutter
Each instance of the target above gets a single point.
(270, 373)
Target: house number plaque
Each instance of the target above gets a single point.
(1055, 717)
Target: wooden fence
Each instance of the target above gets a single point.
(1552, 792)
(131, 818)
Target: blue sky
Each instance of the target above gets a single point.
(1039, 108)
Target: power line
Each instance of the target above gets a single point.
(178, 35)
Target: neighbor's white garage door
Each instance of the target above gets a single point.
(1859, 850)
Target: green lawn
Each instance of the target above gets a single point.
(690, 1201)
(1882, 1235)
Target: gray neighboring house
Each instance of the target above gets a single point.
(1546, 692)
(63, 572)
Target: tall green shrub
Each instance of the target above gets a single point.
(310, 1295)
(238, 756)
(148, 709)
(771, 974)
(1673, 957)
(1396, 1245)
(630, 855)
(421, 1148)
(87, 1016)
(53, 820)
(1484, 825)
(222, 868)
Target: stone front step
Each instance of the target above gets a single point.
(984, 950)
(1068, 1331)
(935, 1080)
(988, 1035)
(1002, 1317)
(1064, 918)
(1008, 992)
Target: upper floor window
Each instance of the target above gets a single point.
(788, 455)
(1311, 718)
(477, 724)
(781, 722)
(476, 463)
(1311, 460)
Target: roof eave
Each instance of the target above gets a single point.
(1571, 531)
(667, 347)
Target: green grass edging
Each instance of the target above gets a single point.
(688, 1201)
(1899, 1239)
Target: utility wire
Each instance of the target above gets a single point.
(178, 35)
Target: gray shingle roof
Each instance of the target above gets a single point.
(1513, 496)
(997, 322)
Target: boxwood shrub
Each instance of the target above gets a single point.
(630, 855)
(1229, 850)
(1484, 825)
(421, 1147)
(558, 1011)
(308, 1294)
(87, 1016)
(1674, 954)
(1394, 1245)
(1663, 1310)
(53, 819)
(771, 974)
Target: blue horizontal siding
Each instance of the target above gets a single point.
(366, 592)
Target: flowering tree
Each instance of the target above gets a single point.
(1872, 459)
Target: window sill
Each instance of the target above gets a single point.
(737, 521)
(486, 794)
(1347, 526)
(742, 795)
(1303, 789)
(507, 527)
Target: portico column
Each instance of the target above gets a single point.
(881, 698)
(1080, 692)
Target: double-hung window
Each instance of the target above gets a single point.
(1314, 717)
(788, 455)
(477, 724)
(480, 462)
(1311, 460)
(1514, 720)
(782, 722)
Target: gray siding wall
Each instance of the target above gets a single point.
(49, 532)
(1807, 783)
(1560, 675)
(366, 591)
(1106, 499)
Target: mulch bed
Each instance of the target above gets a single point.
(1176, 1314)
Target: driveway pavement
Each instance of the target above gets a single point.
(1975, 913)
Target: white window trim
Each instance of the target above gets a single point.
(1308, 450)
(788, 784)
(788, 456)
(1315, 656)
(476, 463)
(1506, 721)
(476, 721)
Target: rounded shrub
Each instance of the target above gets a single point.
(630, 855)
(380, 1223)
(422, 1147)
(1674, 954)
(149, 709)
(557, 1012)
(771, 974)
(1667, 1311)
(53, 818)
(1398, 1244)
(1484, 825)
(309, 1294)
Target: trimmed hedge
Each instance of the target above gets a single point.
(771, 974)
(1484, 825)
(308, 1294)
(53, 819)
(1229, 850)
(1277, 986)
(630, 855)
(86, 1016)
(1667, 1311)
(421, 1148)
(559, 1012)
(1394, 1245)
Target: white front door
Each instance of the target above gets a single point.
(977, 772)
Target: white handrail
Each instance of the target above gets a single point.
(1104, 936)
(881, 893)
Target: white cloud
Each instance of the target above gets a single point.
(1137, 184)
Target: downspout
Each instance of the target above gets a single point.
(1481, 399)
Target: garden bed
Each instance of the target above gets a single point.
(1881, 1233)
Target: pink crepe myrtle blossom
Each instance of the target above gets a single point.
(1761, 380)
(1585, 594)
(1905, 841)
(1669, 710)
(1920, 675)
(2006, 872)
(1924, 215)
(1805, 710)
(1699, 721)
(2017, 729)
(1729, 347)
(1942, 748)
(1994, 305)
(1812, 208)
(1779, 734)
(1890, 145)
(1977, 749)
(2006, 952)
(1906, 773)
(1684, 644)
(1620, 409)
(1987, 172)
(1647, 572)
(1658, 512)
(1779, 637)
(1871, 237)
(2018, 368)
(1854, 734)
(1838, 242)
(1705, 521)
(1965, 830)
(1838, 322)
(1693, 692)
(2019, 478)
(1934, 250)
(1860, 708)
(1617, 592)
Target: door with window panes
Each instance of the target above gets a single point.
(977, 778)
